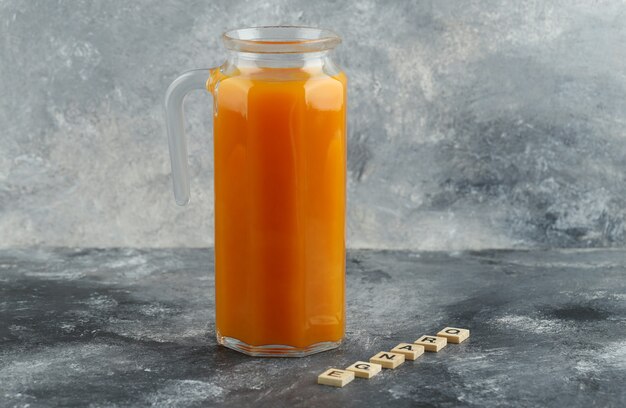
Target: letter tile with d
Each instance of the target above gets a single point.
(454, 334)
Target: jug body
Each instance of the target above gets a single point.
(280, 168)
(280, 193)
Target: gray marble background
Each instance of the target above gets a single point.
(473, 124)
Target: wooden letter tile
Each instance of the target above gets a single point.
(432, 343)
(365, 370)
(388, 359)
(410, 351)
(454, 335)
(335, 377)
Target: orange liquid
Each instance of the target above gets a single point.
(280, 177)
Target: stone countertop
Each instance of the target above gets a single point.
(123, 327)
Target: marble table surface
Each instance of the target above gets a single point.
(123, 327)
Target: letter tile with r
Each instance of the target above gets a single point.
(432, 343)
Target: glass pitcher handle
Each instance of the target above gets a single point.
(174, 97)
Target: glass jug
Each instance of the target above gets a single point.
(279, 108)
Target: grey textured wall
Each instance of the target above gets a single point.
(472, 123)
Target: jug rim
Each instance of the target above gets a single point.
(281, 39)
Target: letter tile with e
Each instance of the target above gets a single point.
(335, 377)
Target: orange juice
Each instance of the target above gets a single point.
(280, 176)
